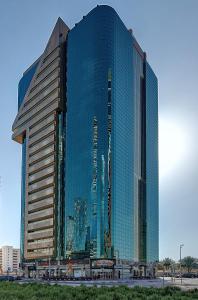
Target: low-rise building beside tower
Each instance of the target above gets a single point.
(9, 259)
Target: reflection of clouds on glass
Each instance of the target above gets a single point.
(173, 146)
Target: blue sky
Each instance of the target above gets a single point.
(168, 32)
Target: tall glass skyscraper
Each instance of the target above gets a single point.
(88, 124)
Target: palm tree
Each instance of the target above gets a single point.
(188, 262)
(167, 263)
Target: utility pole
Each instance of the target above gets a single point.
(49, 269)
(36, 265)
(117, 255)
(180, 259)
(163, 276)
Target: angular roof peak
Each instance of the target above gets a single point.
(58, 35)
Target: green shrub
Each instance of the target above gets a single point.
(33, 291)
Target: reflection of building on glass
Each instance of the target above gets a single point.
(93, 237)
(102, 204)
(87, 242)
(107, 238)
(70, 229)
(80, 218)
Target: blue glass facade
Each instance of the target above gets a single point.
(59, 196)
(89, 68)
(25, 82)
(152, 206)
(137, 177)
(100, 195)
(105, 87)
(122, 141)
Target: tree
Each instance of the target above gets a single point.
(167, 262)
(188, 262)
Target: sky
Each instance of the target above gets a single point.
(168, 31)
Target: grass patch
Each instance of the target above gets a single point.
(34, 291)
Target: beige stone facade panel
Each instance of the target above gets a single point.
(47, 233)
(41, 245)
(41, 194)
(41, 224)
(53, 94)
(43, 153)
(43, 173)
(47, 70)
(39, 254)
(51, 108)
(40, 215)
(41, 134)
(36, 120)
(27, 113)
(43, 143)
(42, 123)
(49, 59)
(41, 164)
(41, 184)
(41, 86)
(41, 204)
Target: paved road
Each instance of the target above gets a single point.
(109, 283)
(186, 284)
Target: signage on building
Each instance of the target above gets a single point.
(28, 264)
(74, 261)
(46, 263)
(102, 263)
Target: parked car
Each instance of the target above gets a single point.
(189, 275)
(19, 277)
(7, 278)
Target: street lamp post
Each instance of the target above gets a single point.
(117, 255)
(36, 267)
(163, 276)
(49, 264)
(123, 260)
(180, 259)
